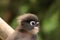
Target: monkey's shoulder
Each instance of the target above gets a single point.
(21, 36)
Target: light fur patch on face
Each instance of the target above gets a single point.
(35, 30)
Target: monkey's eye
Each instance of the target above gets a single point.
(32, 23)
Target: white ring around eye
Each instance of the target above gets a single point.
(32, 23)
(37, 23)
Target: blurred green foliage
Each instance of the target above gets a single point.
(48, 12)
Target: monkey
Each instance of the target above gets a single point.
(27, 28)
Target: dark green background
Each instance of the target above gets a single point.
(48, 12)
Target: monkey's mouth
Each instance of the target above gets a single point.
(35, 30)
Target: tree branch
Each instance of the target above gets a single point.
(5, 29)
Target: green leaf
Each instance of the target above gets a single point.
(50, 24)
(23, 9)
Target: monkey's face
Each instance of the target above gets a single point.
(30, 23)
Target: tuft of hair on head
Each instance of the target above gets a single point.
(22, 17)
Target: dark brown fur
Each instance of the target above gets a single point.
(24, 31)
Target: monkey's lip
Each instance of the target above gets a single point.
(36, 30)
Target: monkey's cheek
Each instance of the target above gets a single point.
(35, 30)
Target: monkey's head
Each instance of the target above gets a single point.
(28, 22)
